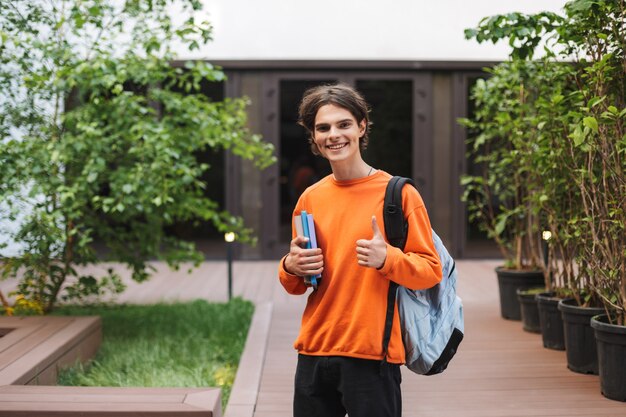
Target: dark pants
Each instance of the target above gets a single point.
(331, 386)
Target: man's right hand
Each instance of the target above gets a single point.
(303, 262)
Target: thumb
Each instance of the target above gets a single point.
(300, 240)
(375, 227)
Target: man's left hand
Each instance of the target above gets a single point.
(372, 253)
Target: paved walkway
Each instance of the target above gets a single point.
(499, 371)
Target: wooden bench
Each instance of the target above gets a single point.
(33, 349)
(42, 401)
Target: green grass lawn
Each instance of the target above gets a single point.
(196, 344)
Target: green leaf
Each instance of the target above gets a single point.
(557, 98)
(591, 123)
(470, 33)
(92, 177)
(578, 136)
(596, 101)
(501, 224)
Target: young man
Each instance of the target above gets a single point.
(340, 343)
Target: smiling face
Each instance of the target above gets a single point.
(337, 134)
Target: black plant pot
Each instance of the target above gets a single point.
(508, 282)
(529, 310)
(580, 342)
(611, 343)
(550, 321)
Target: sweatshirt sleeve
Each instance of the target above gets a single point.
(418, 267)
(293, 284)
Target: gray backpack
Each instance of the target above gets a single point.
(431, 319)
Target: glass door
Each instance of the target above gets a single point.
(299, 168)
(391, 139)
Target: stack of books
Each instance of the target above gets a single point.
(306, 227)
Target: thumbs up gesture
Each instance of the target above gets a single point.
(372, 253)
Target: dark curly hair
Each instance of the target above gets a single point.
(340, 95)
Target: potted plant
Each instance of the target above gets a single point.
(497, 198)
(567, 311)
(600, 137)
(603, 185)
(545, 92)
(572, 303)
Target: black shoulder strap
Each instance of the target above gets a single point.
(393, 217)
(396, 231)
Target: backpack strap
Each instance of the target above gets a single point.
(393, 216)
(396, 229)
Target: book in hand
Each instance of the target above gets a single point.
(305, 226)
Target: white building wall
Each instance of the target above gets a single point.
(8, 247)
(356, 29)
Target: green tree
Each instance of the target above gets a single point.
(98, 143)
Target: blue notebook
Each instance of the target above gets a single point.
(308, 230)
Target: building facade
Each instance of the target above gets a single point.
(409, 58)
(411, 61)
(415, 106)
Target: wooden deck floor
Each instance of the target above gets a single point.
(500, 370)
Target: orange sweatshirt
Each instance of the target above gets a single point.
(345, 316)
